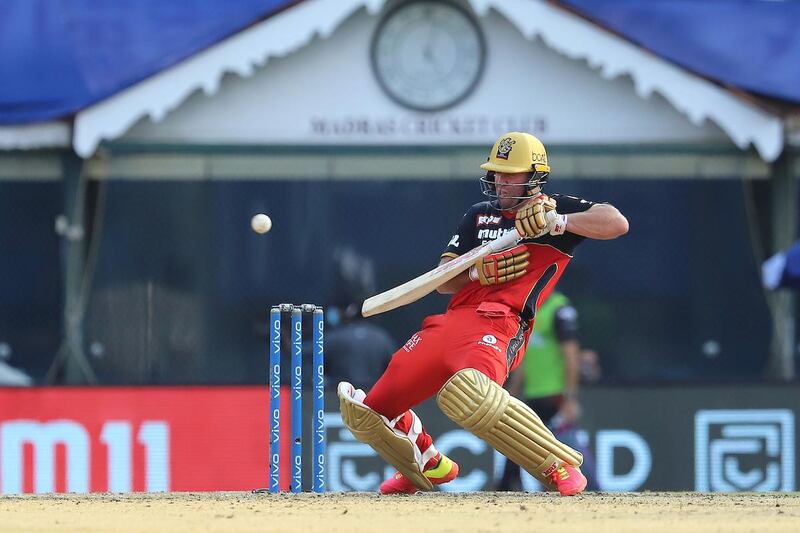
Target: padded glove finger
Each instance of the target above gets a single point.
(502, 267)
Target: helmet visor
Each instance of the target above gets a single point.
(536, 179)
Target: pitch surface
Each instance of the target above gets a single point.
(358, 513)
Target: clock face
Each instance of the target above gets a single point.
(428, 55)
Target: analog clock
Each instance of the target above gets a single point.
(428, 55)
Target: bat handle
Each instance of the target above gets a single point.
(509, 239)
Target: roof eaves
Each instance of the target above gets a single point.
(37, 135)
(745, 117)
(240, 54)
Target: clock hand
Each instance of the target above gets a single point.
(427, 50)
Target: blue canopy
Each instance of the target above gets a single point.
(752, 45)
(59, 56)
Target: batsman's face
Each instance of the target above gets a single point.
(510, 186)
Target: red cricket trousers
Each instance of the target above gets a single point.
(490, 338)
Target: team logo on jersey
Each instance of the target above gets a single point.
(504, 148)
(453, 241)
(487, 220)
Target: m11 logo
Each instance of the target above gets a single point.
(79, 445)
(744, 450)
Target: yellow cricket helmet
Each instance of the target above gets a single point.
(516, 152)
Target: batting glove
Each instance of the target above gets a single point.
(501, 267)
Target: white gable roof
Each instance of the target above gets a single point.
(328, 94)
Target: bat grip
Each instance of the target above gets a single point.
(507, 240)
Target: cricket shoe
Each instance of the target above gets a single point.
(445, 470)
(568, 480)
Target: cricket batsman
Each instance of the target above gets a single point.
(465, 355)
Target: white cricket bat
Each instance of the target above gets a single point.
(413, 290)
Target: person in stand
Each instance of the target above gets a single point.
(355, 348)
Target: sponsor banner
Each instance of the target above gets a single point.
(133, 439)
(704, 438)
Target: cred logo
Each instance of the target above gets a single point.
(744, 450)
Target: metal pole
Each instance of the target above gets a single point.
(70, 365)
(784, 234)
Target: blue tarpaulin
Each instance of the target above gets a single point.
(753, 45)
(59, 56)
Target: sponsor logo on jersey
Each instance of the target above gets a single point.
(491, 234)
(412, 342)
(490, 341)
(580, 200)
(488, 220)
(453, 241)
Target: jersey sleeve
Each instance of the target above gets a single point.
(566, 205)
(566, 323)
(571, 204)
(465, 238)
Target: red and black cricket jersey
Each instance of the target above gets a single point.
(549, 256)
